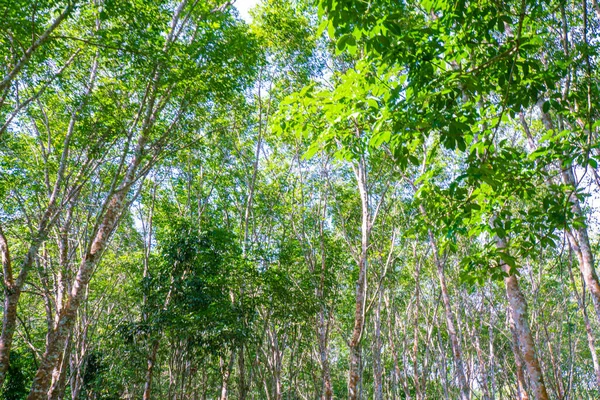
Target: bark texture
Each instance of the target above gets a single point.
(361, 285)
(518, 314)
(150, 370)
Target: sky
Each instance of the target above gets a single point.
(243, 6)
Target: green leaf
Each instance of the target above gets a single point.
(346, 40)
(508, 259)
(546, 106)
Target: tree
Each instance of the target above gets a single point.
(338, 198)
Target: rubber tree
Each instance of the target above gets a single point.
(164, 96)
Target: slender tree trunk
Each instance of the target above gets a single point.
(327, 389)
(492, 356)
(578, 236)
(29, 52)
(396, 372)
(588, 327)
(518, 309)
(518, 312)
(450, 319)
(323, 318)
(277, 365)
(482, 369)
(415, 344)
(521, 387)
(12, 292)
(60, 373)
(361, 284)
(226, 374)
(443, 369)
(377, 369)
(76, 379)
(242, 386)
(147, 231)
(580, 243)
(150, 369)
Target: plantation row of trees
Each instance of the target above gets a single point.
(339, 199)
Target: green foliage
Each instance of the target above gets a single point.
(19, 376)
(192, 290)
(237, 253)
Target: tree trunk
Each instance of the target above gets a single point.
(580, 243)
(588, 327)
(578, 236)
(396, 372)
(226, 374)
(475, 335)
(277, 365)
(242, 386)
(60, 373)
(377, 369)
(450, 319)
(150, 370)
(327, 390)
(361, 284)
(9, 324)
(13, 73)
(521, 387)
(12, 292)
(415, 341)
(518, 312)
(76, 379)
